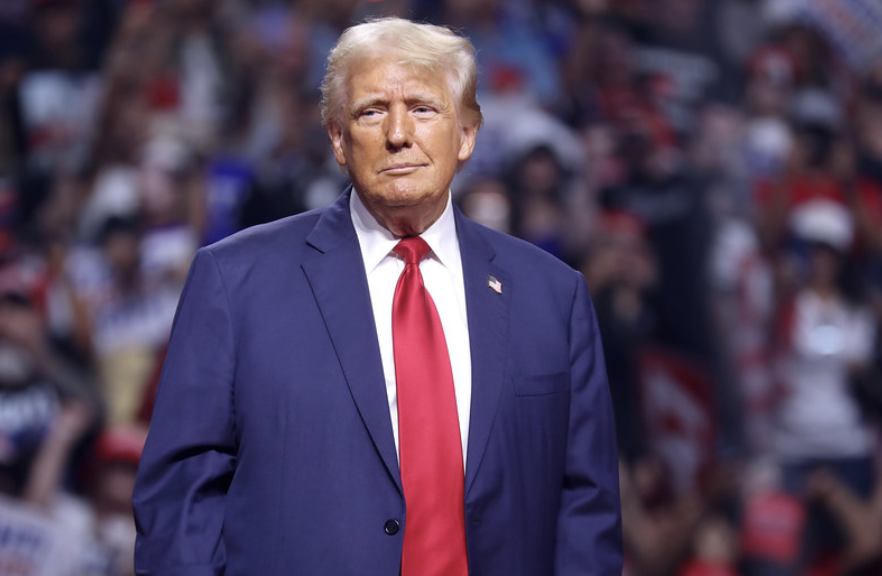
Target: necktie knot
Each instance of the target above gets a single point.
(412, 248)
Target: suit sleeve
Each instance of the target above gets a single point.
(190, 454)
(589, 523)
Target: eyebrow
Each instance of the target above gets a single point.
(366, 102)
(380, 100)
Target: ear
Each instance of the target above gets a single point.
(467, 145)
(335, 132)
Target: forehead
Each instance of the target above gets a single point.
(390, 77)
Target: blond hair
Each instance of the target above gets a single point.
(426, 46)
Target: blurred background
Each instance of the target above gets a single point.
(713, 167)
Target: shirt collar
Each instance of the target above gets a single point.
(377, 242)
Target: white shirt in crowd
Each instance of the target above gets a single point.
(819, 416)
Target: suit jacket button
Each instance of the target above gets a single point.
(391, 527)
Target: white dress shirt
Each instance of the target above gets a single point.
(442, 276)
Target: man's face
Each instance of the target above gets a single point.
(401, 141)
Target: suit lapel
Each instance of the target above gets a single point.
(339, 284)
(488, 337)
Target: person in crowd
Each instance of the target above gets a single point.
(45, 403)
(487, 202)
(129, 310)
(826, 339)
(114, 464)
(621, 272)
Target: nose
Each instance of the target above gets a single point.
(399, 127)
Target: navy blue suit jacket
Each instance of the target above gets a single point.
(271, 450)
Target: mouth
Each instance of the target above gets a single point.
(400, 169)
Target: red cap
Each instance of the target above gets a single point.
(120, 444)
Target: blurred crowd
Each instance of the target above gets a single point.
(714, 168)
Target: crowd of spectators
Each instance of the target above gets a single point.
(714, 167)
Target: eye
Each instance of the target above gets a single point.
(369, 115)
(423, 110)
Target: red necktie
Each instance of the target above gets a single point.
(430, 449)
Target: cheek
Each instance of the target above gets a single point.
(362, 142)
(448, 148)
(358, 157)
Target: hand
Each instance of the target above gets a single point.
(858, 518)
(72, 421)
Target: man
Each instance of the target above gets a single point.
(320, 414)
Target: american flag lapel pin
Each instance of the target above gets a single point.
(494, 284)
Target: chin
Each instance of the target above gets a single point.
(403, 194)
(404, 210)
